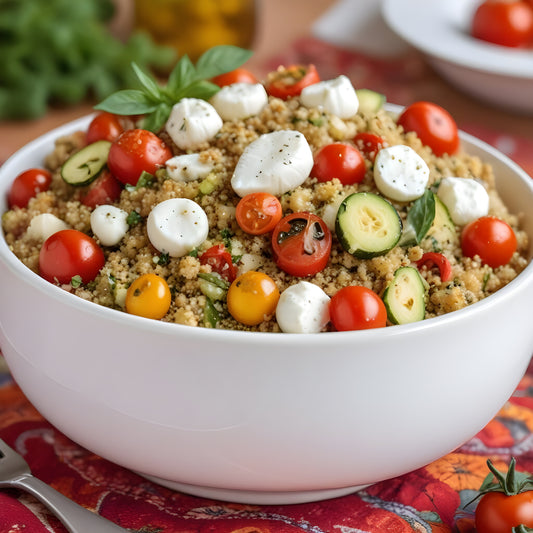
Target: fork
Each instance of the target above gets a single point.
(15, 472)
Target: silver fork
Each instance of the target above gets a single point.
(15, 472)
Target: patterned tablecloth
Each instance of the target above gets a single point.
(430, 499)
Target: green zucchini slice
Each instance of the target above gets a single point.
(367, 225)
(84, 166)
(405, 297)
(370, 101)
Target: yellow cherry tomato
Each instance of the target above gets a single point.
(148, 296)
(252, 297)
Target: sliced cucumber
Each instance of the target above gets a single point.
(405, 297)
(370, 101)
(443, 231)
(367, 225)
(84, 166)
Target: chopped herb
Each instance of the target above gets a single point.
(211, 315)
(112, 281)
(76, 281)
(319, 121)
(162, 259)
(145, 180)
(226, 235)
(486, 278)
(133, 218)
(194, 253)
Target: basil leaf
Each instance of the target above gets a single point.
(221, 59)
(421, 215)
(200, 89)
(152, 88)
(156, 120)
(211, 315)
(128, 102)
(182, 74)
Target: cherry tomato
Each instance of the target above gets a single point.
(356, 307)
(27, 185)
(135, 151)
(288, 82)
(301, 244)
(434, 126)
(369, 144)
(252, 298)
(341, 161)
(148, 296)
(431, 259)
(220, 261)
(239, 75)
(504, 22)
(69, 253)
(492, 239)
(105, 189)
(258, 213)
(498, 513)
(104, 127)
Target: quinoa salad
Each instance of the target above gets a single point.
(307, 210)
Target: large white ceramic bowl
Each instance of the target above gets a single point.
(440, 29)
(263, 418)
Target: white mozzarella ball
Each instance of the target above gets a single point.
(43, 225)
(187, 167)
(240, 100)
(400, 173)
(177, 226)
(303, 308)
(276, 162)
(192, 122)
(336, 96)
(465, 198)
(109, 224)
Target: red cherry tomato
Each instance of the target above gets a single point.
(27, 185)
(105, 189)
(492, 239)
(301, 244)
(356, 307)
(434, 126)
(369, 144)
(497, 513)
(258, 213)
(239, 75)
(70, 253)
(104, 127)
(504, 22)
(431, 259)
(341, 161)
(220, 261)
(289, 82)
(135, 151)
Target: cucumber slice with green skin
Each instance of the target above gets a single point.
(443, 229)
(367, 225)
(84, 166)
(405, 297)
(370, 101)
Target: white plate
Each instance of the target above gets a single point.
(440, 29)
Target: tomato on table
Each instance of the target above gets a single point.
(357, 307)
(301, 244)
(239, 75)
(492, 239)
(258, 213)
(435, 259)
(69, 253)
(341, 161)
(135, 151)
(289, 82)
(148, 296)
(504, 22)
(220, 261)
(369, 144)
(104, 127)
(105, 189)
(434, 126)
(27, 185)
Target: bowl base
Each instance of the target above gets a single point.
(254, 497)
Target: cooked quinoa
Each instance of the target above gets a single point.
(135, 255)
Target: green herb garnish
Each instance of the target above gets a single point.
(133, 218)
(421, 215)
(145, 180)
(76, 281)
(211, 315)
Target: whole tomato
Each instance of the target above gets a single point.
(289, 82)
(341, 161)
(26, 186)
(104, 127)
(239, 75)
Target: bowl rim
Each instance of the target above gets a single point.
(18, 269)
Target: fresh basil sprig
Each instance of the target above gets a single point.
(421, 215)
(186, 80)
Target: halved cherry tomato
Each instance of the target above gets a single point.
(431, 259)
(148, 296)
(434, 126)
(135, 151)
(288, 82)
(252, 298)
(341, 161)
(239, 75)
(492, 239)
(301, 244)
(220, 261)
(105, 189)
(504, 22)
(369, 144)
(356, 307)
(258, 213)
(104, 127)
(27, 185)
(69, 253)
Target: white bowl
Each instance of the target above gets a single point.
(258, 417)
(440, 29)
